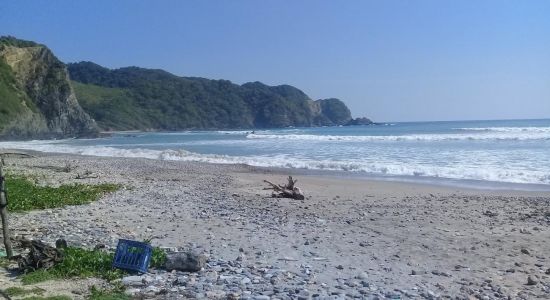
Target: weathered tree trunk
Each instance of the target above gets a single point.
(4, 212)
(286, 191)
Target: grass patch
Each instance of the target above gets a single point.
(105, 294)
(48, 298)
(24, 195)
(83, 263)
(78, 263)
(37, 276)
(4, 262)
(17, 291)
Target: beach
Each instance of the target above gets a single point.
(350, 237)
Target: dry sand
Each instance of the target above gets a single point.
(406, 240)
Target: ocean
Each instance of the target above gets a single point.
(503, 153)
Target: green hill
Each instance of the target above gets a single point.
(41, 97)
(137, 98)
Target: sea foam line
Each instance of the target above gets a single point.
(520, 136)
(393, 168)
(508, 129)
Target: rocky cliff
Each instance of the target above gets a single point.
(38, 100)
(36, 96)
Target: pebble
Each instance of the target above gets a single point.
(257, 273)
(133, 281)
(531, 281)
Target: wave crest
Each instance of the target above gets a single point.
(521, 136)
(508, 129)
(393, 168)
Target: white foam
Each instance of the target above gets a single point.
(509, 129)
(492, 172)
(513, 135)
(233, 132)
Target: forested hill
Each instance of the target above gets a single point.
(149, 99)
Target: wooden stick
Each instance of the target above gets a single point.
(4, 213)
(16, 153)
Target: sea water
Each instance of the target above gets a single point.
(507, 151)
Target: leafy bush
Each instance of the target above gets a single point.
(158, 258)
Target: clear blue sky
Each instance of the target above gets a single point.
(388, 60)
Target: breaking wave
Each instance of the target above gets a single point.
(509, 129)
(392, 168)
(504, 135)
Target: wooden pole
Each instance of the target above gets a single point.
(4, 212)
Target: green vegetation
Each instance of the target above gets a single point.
(78, 263)
(4, 262)
(158, 258)
(111, 107)
(82, 263)
(334, 109)
(32, 104)
(12, 99)
(21, 292)
(17, 291)
(13, 41)
(36, 99)
(116, 293)
(137, 98)
(48, 298)
(24, 195)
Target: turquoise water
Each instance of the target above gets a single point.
(510, 151)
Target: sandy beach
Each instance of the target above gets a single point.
(350, 237)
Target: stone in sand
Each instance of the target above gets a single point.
(531, 281)
(185, 261)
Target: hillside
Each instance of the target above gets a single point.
(36, 97)
(148, 99)
(38, 100)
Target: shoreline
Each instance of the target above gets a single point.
(433, 182)
(450, 183)
(348, 238)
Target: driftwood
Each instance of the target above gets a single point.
(4, 213)
(40, 256)
(6, 154)
(285, 191)
(87, 174)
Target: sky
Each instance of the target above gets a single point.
(388, 60)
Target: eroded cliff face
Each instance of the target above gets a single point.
(46, 105)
